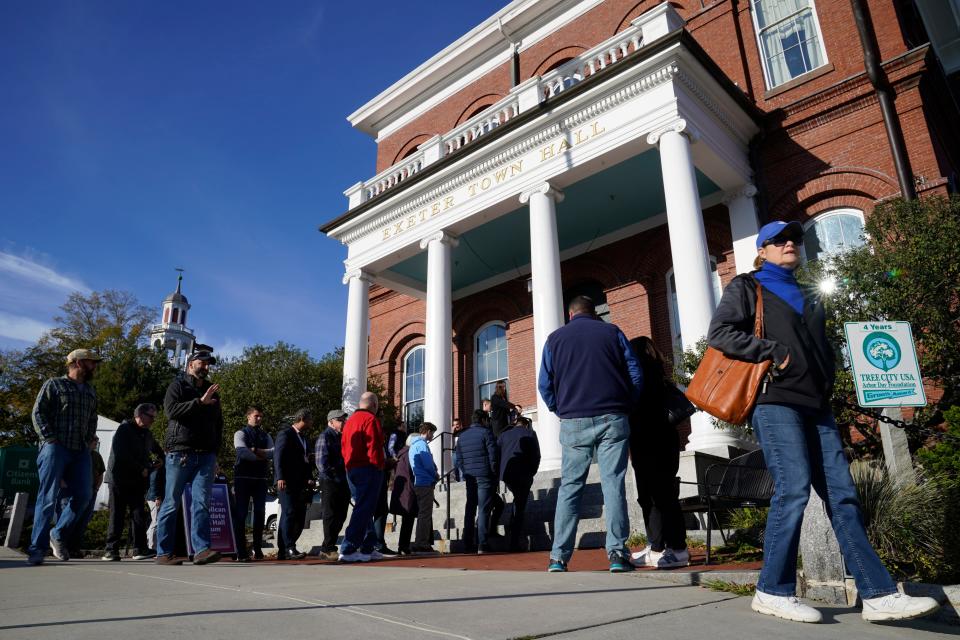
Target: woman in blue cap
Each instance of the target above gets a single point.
(796, 429)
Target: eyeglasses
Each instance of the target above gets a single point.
(781, 242)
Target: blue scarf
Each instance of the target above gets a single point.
(782, 283)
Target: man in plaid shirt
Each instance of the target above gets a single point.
(65, 418)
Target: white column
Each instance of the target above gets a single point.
(438, 359)
(355, 341)
(547, 303)
(743, 226)
(691, 260)
(176, 353)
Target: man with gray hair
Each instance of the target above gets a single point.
(291, 465)
(128, 475)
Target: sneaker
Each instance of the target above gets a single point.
(671, 559)
(207, 556)
(786, 607)
(59, 549)
(377, 555)
(556, 566)
(619, 563)
(35, 558)
(110, 556)
(145, 555)
(329, 555)
(257, 554)
(646, 557)
(897, 606)
(386, 552)
(356, 556)
(169, 560)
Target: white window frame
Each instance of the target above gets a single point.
(403, 380)
(824, 215)
(676, 339)
(763, 55)
(476, 361)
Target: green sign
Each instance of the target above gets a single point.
(884, 363)
(18, 472)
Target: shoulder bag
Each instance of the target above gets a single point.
(725, 387)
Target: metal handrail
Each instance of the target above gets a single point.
(445, 474)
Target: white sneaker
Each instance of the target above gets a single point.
(646, 557)
(786, 607)
(671, 559)
(356, 556)
(897, 606)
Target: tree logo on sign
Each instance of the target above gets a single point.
(881, 350)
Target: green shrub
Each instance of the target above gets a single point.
(943, 458)
(911, 526)
(637, 539)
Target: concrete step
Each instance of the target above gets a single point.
(538, 524)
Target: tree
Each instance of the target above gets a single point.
(114, 324)
(909, 269)
(280, 379)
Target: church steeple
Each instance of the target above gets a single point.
(172, 334)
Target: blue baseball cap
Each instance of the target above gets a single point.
(779, 228)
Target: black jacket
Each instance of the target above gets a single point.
(808, 379)
(290, 460)
(192, 426)
(129, 457)
(519, 455)
(499, 414)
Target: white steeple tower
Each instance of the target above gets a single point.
(172, 334)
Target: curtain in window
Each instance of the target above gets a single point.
(789, 37)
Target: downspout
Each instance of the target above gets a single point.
(885, 96)
(515, 54)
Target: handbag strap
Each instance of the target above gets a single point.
(758, 319)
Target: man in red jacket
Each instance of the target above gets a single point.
(363, 457)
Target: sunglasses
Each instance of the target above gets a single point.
(781, 242)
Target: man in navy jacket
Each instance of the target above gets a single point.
(478, 462)
(590, 377)
(291, 464)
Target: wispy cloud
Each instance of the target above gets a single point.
(14, 266)
(21, 327)
(31, 290)
(224, 348)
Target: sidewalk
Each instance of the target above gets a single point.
(389, 600)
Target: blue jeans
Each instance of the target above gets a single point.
(802, 448)
(480, 490)
(74, 537)
(364, 485)
(55, 462)
(608, 436)
(197, 468)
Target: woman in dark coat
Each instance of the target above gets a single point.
(655, 454)
(796, 429)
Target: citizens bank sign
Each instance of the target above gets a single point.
(884, 363)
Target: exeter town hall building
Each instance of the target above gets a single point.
(628, 151)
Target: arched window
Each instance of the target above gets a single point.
(831, 233)
(675, 335)
(413, 387)
(491, 359)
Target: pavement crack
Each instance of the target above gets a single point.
(607, 623)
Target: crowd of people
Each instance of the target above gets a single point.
(610, 396)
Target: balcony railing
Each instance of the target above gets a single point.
(157, 328)
(653, 24)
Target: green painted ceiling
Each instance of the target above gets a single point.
(622, 195)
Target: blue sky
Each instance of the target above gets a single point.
(139, 136)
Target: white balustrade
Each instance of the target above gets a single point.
(394, 175)
(481, 124)
(597, 59)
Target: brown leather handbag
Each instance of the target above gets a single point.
(727, 388)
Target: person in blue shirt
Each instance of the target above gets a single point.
(590, 377)
(425, 478)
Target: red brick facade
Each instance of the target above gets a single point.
(823, 146)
